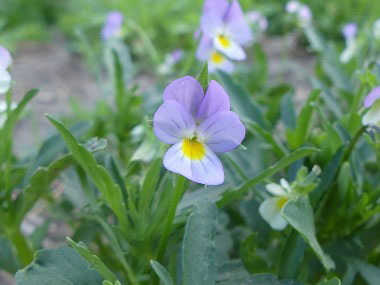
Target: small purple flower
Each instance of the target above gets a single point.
(372, 102)
(349, 31)
(224, 24)
(113, 24)
(256, 18)
(292, 7)
(171, 59)
(198, 125)
(5, 77)
(302, 11)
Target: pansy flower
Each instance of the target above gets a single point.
(215, 59)
(271, 208)
(372, 103)
(198, 126)
(349, 32)
(5, 77)
(224, 25)
(302, 12)
(256, 19)
(112, 27)
(170, 60)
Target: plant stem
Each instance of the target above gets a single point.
(21, 245)
(353, 143)
(178, 191)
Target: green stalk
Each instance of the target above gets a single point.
(21, 245)
(178, 192)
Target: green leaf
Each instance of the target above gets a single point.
(288, 112)
(332, 281)
(369, 272)
(291, 255)
(102, 179)
(203, 77)
(95, 261)
(238, 192)
(61, 266)
(299, 215)
(199, 259)
(252, 262)
(161, 272)
(8, 261)
(241, 101)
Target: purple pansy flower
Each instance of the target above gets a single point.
(5, 77)
(372, 101)
(113, 24)
(349, 31)
(223, 25)
(198, 125)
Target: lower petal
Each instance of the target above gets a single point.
(229, 48)
(5, 81)
(270, 210)
(204, 168)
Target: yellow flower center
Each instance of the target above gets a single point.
(224, 41)
(281, 202)
(216, 57)
(193, 149)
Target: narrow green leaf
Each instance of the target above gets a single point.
(95, 261)
(299, 215)
(203, 77)
(237, 193)
(199, 259)
(61, 266)
(161, 272)
(291, 256)
(150, 183)
(102, 179)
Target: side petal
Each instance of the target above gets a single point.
(222, 131)
(372, 117)
(212, 17)
(5, 58)
(208, 170)
(231, 49)
(236, 26)
(171, 122)
(5, 81)
(271, 213)
(215, 100)
(275, 189)
(186, 91)
(372, 97)
(204, 48)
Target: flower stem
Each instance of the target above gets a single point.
(21, 245)
(178, 192)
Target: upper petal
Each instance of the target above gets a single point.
(5, 58)
(276, 189)
(215, 100)
(186, 91)
(5, 81)
(204, 48)
(212, 17)
(236, 26)
(208, 170)
(172, 122)
(222, 131)
(372, 97)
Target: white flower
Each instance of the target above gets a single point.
(3, 110)
(271, 208)
(292, 6)
(5, 77)
(376, 29)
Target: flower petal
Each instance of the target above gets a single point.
(372, 97)
(275, 189)
(5, 58)
(212, 17)
(229, 48)
(372, 117)
(222, 131)
(216, 100)
(271, 212)
(5, 81)
(236, 26)
(171, 122)
(208, 170)
(204, 48)
(186, 91)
